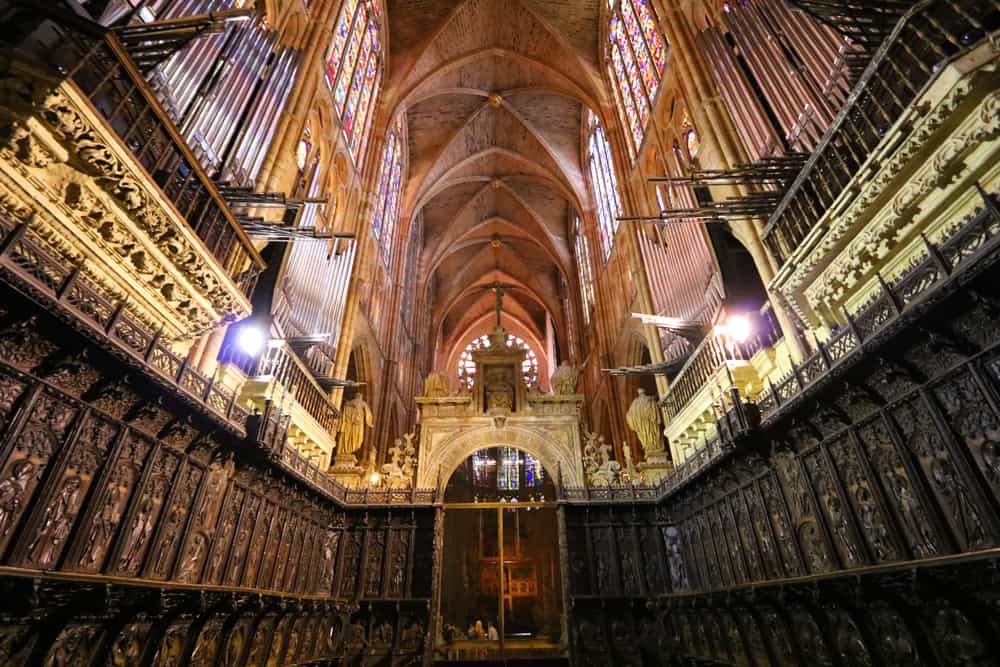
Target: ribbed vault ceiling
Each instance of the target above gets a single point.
(494, 93)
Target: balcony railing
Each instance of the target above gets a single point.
(64, 285)
(714, 354)
(269, 427)
(95, 61)
(284, 367)
(973, 248)
(928, 35)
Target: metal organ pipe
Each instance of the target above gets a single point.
(796, 62)
(247, 155)
(751, 120)
(185, 71)
(242, 73)
(681, 269)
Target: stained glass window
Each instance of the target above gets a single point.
(637, 57)
(482, 467)
(583, 268)
(354, 67)
(508, 474)
(386, 216)
(691, 142)
(467, 367)
(603, 184)
(534, 474)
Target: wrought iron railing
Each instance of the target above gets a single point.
(93, 59)
(269, 428)
(929, 34)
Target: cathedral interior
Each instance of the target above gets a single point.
(499, 332)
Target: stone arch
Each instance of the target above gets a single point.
(437, 465)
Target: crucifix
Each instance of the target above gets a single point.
(500, 289)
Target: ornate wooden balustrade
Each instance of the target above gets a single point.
(922, 41)
(94, 60)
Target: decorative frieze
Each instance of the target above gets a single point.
(94, 205)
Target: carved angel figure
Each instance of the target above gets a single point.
(644, 418)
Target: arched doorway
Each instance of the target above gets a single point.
(501, 591)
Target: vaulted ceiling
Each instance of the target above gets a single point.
(495, 93)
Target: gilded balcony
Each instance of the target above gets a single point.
(103, 179)
(716, 382)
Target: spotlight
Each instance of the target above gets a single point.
(250, 339)
(375, 479)
(737, 327)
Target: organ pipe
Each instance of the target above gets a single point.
(797, 65)
(242, 73)
(681, 267)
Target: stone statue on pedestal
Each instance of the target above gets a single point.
(644, 418)
(564, 380)
(436, 385)
(357, 417)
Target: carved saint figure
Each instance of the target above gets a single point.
(56, 524)
(436, 385)
(914, 519)
(199, 544)
(357, 416)
(12, 493)
(103, 528)
(167, 543)
(563, 381)
(136, 539)
(644, 418)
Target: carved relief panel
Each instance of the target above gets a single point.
(174, 521)
(107, 506)
(46, 535)
(145, 511)
(27, 454)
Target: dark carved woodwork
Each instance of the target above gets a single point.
(889, 470)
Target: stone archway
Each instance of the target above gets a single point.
(558, 458)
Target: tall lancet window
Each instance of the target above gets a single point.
(603, 184)
(583, 268)
(637, 57)
(390, 179)
(354, 68)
